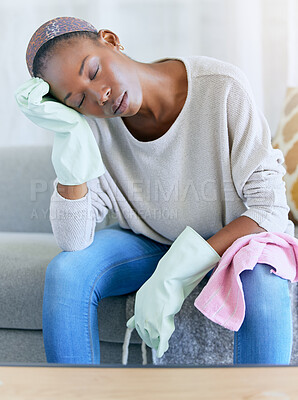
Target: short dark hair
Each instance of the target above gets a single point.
(46, 50)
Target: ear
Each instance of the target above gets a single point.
(109, 38)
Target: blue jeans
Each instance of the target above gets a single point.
(118, 262)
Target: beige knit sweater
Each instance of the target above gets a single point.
(213, 165)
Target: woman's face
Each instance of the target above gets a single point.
(95, 79)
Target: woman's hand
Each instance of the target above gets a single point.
(76, 157)
(178, 272)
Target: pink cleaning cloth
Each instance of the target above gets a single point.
(222, 299)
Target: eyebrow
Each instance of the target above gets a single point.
(80, 73)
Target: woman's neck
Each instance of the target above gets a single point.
(164, 86)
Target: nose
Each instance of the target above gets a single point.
(105, 94)
(100, 95)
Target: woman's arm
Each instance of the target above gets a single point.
(256, 169)
(224, 238)
(72, 192)
(74, 213)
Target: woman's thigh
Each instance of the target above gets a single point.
(117, 262)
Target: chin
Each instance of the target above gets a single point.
(132, 111)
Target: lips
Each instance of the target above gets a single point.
(123, 103)
(117, 103)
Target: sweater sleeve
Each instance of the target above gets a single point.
(256, 167)
(74, 221)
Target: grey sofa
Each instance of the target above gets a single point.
(27, 245)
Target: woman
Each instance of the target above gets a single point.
(182, 143)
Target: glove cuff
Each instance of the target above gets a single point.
(190, 257)
(203, 242)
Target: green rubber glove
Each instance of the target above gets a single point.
(178, 272)
(75, 155)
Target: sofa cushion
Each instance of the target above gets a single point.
(26, 179)
(24, 259)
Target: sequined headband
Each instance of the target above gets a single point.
(51, 29)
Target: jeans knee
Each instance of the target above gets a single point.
(264, 290)
(59, 271)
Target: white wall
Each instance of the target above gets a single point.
(257, 35)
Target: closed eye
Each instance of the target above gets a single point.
(83, 98)
(95, 73)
